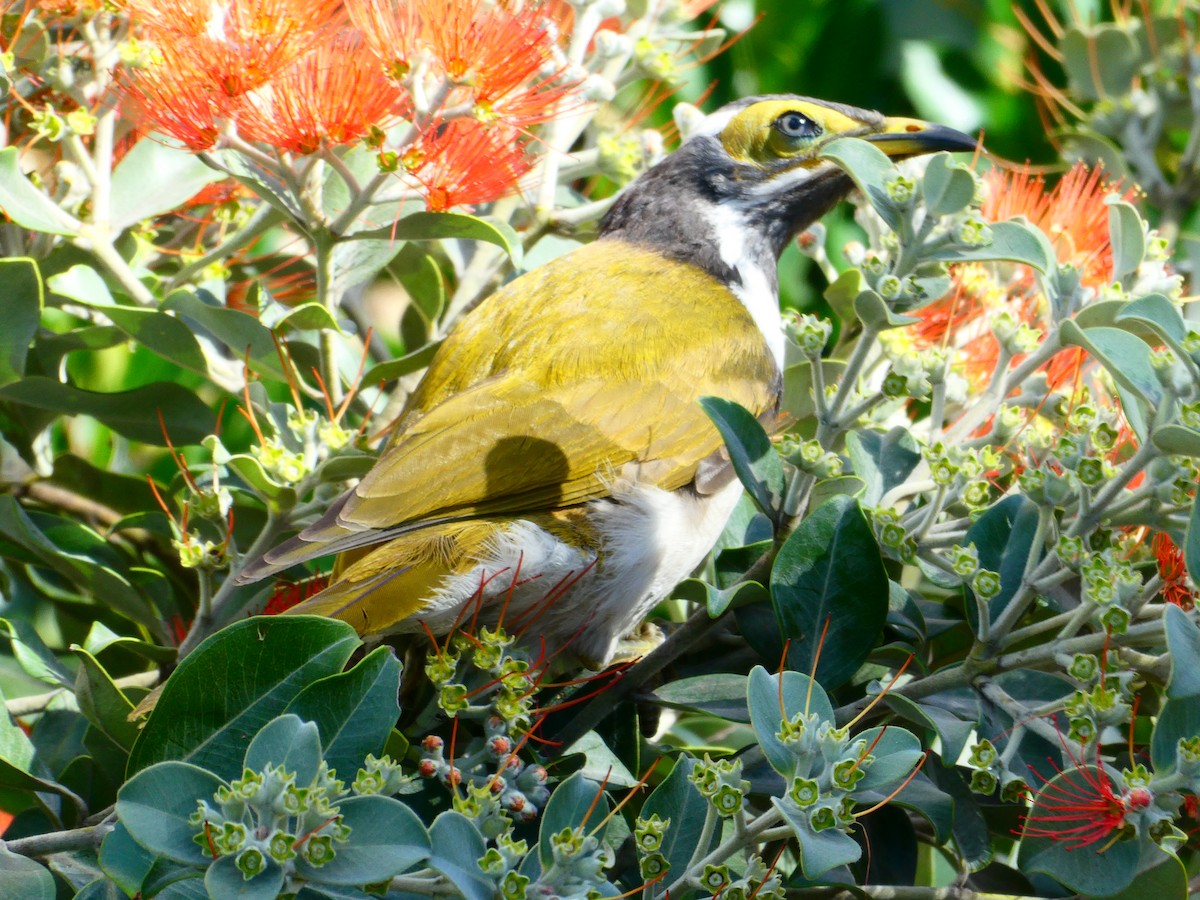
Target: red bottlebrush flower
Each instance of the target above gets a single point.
(1074, 216)
(1171, 567)
(234, 45)
(505, 61)
(462, 162)
(166, 97)
(392, 28)
(1078, 807)
(287, 594)
(331, 95)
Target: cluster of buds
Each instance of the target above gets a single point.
(828, 766)
(720, 782)
(491, 783)
(483, 677)
(501, 863)
(755, 881)
(810, 333)
(265, 817)
(989, 772)
(578, 861)
(894, 538)
(648, 836)
(810, 456)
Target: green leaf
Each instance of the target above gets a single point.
(386, 838)
(78, 554)
(1191, 544)
(882, 461)
(422, 280)
(156, 803)
(241, 332)
(1012, 241)
(405, 365)
(21, 298)
(457, 848)
(435, 226)
(716, 600)
(1085, 870)
(830, 591)
(25, 204)
(1126, 357)
(947, 186)
(870, 169)
(1183, 644)
(124, 860)
(102, 701)
(1163, 880)
(224, 879)
(83, 284)
(751, 452)
(876, 315)
(1094, 149)
(771, 702)
(678, 799)
(719, 694)
(289, 742)
(129, 413)
(354, 711)
(798, 404)
(1177, 440)
(820, 851)
(357, 261)
(303, 316)
(261, 664)
(953, 731)
(573, 803)
(600, 763)
(24, 878)
(1100, 60)
(1160, 313)
(1127, 234)
(1003, 535)
(152, 179)
(896, 751)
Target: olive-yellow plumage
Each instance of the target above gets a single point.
(554, 468)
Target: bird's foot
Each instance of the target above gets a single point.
(639, 642)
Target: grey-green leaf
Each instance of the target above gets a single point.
(21, 298)
(830, 591)
(156, 803)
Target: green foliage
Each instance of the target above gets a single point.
(951, 619)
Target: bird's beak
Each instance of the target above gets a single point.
(901, 138)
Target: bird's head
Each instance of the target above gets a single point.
(751, 177)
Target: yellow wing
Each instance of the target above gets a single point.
(552, 385)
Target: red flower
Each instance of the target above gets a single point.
(287, 594)
(1078, 807)
(392, 29)
(331, 95)
(1171, 567)
(233, 45)
(505, 62)
(167, 97)
(463, 162)
(1074, 216)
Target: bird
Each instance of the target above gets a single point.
(553, 471)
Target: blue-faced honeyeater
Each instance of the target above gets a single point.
(554, 466)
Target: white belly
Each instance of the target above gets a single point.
(580, 600)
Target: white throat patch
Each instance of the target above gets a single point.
(756, 290)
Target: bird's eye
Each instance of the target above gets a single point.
(797, 126)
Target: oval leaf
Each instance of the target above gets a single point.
(260, 665)
(830, 591)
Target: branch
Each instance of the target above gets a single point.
(59, 841)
